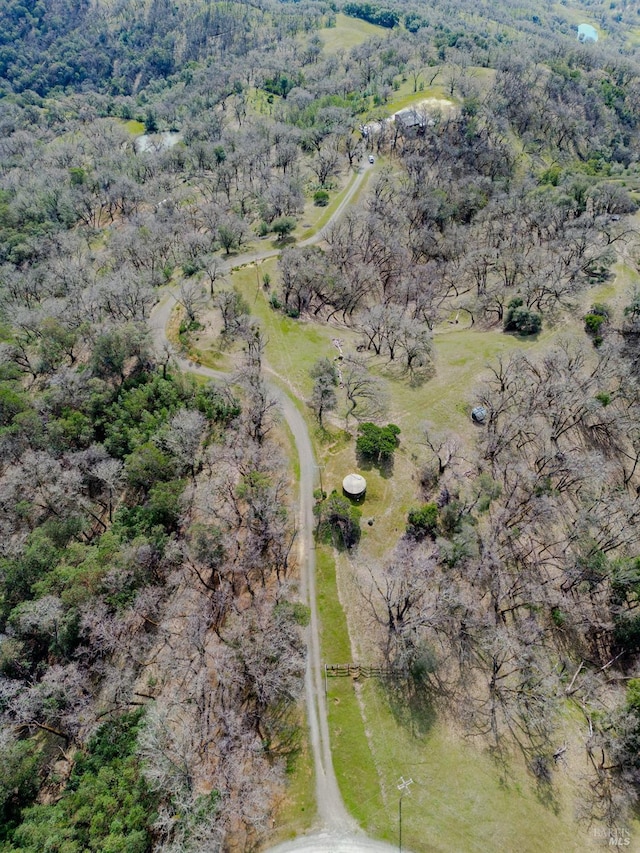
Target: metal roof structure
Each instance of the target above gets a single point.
(354, 485)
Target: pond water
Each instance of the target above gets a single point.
(587, 33)
(157, 141)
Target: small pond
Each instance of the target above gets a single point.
(587, 33)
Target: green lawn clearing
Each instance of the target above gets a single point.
(135, 128)
(347, 33)
(460, 800)
(292, 345)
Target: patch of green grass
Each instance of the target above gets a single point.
(461, 800)
(292, 345)
(406, 97)
(294, 459)
(262, 102)
(297, 810)
(461, 359)
(352, 759)
(577, 16)
(210, 357)
(135, 128)
(334, 636)
(347, 33)
(198, 348)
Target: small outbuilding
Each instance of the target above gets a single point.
(354, 486)
(412, 121)
(478, 414)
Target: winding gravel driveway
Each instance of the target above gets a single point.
(338, 832)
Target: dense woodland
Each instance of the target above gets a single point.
(151, 633)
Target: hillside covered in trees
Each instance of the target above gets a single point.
(152, 625)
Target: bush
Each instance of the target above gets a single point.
(190, 268)
(551, 175)
(627, 633)
(592, 324)
(217, 404)
(321, 198)
(148, 465)
(595, 321)
(283, 226)
(165, 504)
(521, 319)
(423, 522)
(377, 443)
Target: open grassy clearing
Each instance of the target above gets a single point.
(292, 345)
(461, 799)
(461, 359)
(348, 32)
(203, 346)
(445, 400)
(404, 96)
(135, 128)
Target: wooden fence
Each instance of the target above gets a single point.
(357, 670)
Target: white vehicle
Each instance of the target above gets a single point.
(371, 158)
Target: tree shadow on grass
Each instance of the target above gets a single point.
(412, 704)
(420, 375)
(384, 466)
(538, 764)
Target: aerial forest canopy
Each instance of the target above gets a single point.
(152, 628)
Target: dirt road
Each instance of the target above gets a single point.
(338, 831)
(330, 842)
(331, 810)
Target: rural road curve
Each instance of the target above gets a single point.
(338, 831)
